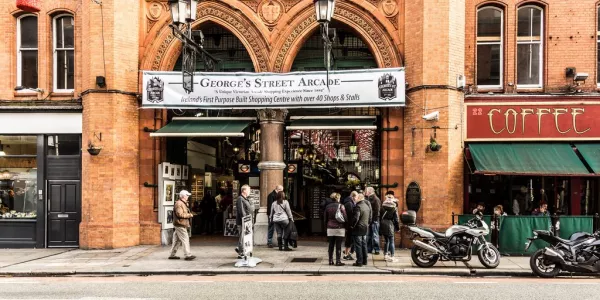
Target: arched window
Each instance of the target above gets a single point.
(489, 47)
(27, 51)
(530, 47)
(63, 34)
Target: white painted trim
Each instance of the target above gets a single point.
(198, 134)
(41, 123)
(492, 87)
(540, 84)
(330, 117)
(214, 118)
(54, 59)
(19, 59)
(332, 127)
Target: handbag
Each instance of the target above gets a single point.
(339, 216)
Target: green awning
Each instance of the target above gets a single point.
(591, 154)
(204, 127)
(332, 123)
(527, 159)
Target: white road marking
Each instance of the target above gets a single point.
(191, 281)
(576, 283)
(475, 282)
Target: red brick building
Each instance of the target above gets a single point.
(94, 77)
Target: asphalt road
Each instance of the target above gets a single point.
(284, 287)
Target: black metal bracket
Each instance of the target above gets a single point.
(395, 128)
(389, 186)
(146, 129)
(149, 185)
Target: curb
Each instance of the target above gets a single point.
(193, 272)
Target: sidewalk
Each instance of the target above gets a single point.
(219, 258)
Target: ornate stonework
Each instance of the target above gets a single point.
(155, 9)
(237, 23)
(290, 3)
(389, 8)
(374, 2)
(270, 11)
(382, 45)
(253, 4)
(162, 49)
(272, 115)
(394, 21)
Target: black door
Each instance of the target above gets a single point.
(64, 213)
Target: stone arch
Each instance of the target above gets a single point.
(373, 33)
(163, 54)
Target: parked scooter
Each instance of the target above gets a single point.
(453, 245)
(579, 254)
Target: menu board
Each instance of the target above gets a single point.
(316, 196)
(197, 189)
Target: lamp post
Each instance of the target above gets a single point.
(183, 13)
(324, 11)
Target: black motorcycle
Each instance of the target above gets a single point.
(579, 254)
(453, 245)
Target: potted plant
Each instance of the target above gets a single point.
(93, 150)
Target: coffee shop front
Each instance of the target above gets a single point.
(526, 152)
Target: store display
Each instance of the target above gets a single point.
(197, 189)
(166, 170)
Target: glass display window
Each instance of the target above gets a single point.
(18, 187)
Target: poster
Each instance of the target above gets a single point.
(231, 228)
(247, 236)
(168, 217)
(168, 192)
(243, 90)
(254, 198)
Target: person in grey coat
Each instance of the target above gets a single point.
(281, 216)
(361, 218)
(244, 208)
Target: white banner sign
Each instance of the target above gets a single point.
(348, 88)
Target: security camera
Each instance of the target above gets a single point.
(434, 116)
(580, 77)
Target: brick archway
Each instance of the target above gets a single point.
(375, 35)
(163, 54)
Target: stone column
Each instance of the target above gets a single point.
(271, 165)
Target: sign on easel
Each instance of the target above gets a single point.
(247, 242)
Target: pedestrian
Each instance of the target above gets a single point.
(208, 207)
(542, 211)
(361, 218)
(326, 202)
(349, 203)
(281, 216)
(244, 208)
(389, 223)
(373, 235)
(335, 228)
(270, 200)
(181, 224)
(479, 209)
(392, 196)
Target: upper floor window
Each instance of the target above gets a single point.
(64, 53)
(489, 47)
(529, 47)
(27, 51)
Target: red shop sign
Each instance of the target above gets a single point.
(538, 121)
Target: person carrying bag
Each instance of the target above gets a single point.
(281, 216)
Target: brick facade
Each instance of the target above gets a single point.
(118, 210)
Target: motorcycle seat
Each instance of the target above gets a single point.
(435, 233)
(570, 242)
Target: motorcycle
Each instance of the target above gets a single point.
(453, 245)
(579, 254)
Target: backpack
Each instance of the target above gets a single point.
(339, 216)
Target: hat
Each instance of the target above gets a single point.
(184, 193)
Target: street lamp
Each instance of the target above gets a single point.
(324, 11)
(184, 12)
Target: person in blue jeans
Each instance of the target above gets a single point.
(361, 217)
(373, 235)
(270, 199)
(389, 223)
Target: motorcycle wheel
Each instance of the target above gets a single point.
(422, 258)
(539, 266)
(489, 257)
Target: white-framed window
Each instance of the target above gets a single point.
(27, 51)
(598, 47)
(490, 36)
(530, 46)
(63, 37)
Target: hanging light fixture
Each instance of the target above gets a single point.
(183, 11)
